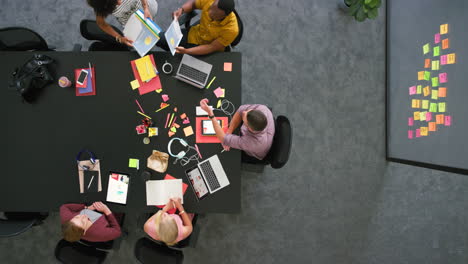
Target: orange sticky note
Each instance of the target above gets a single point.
(451, 58)
(432, 126)
(444, 29)
(415, 103)
(426, 91)
(228, 66)
(427, 63)
(188, 131)
(424, 131)
(439, 119)
(445, 44)
(442, 92)
(416, 115)
(420, 75)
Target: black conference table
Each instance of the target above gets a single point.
(40, 141)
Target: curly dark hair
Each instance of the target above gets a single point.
(103, 7)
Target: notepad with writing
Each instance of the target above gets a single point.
(161, 191)
(146, 87)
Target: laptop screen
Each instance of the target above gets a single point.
(197, 182)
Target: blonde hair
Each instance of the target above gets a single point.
(166, 229)
(71, 232)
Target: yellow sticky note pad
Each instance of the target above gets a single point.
(424, 131)
(415, 103)
(451, 58)
(152, 131)
(426, 91)
(188, 131)
(441, 107)
(419, 89)
(425, 104)
(145, 68)
(135, 84)
(422, 116)
(421, 75)
(219, 104)
(444, 29)
(435, 94)
(416, 115)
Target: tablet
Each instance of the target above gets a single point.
(207, 127)
(117, 187)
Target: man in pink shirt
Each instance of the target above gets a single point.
(257, 130)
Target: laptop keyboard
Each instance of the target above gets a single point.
(210, 175)
(193, 73)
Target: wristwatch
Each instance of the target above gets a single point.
(211, 116)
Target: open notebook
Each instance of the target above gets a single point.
(159, 192)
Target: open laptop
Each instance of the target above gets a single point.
(193, 71)
(207, 177)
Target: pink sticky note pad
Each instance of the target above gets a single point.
(228, 66)
(428, 116)
(443, 59)
(410, 121)
(443, 77)
(418, 132)
(437, 38)
(186, 121)
(412, 90)
(410, 134)
(165, 97)
(219, 92)
(448, 121)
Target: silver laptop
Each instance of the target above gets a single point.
(193, 71)
(207, 177)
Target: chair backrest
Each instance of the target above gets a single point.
(90, 30)
(241, 30)
(280, 150)
(192, 239)
(146, 251)
(21, 39)
(67, 252)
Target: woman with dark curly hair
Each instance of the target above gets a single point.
(122, 10)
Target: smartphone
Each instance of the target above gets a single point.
(82, 78)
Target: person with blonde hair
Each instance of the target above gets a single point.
(170, 228)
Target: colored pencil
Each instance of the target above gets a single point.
(208, 86)
(174, 121)
(170, 121)
(136, 101)
(198, 151)
(162, 108)
(143, 114)
(167, 119)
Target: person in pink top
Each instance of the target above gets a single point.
(83, 222)
(169, 228)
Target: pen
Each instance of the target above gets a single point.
(90, 70)
(198, 151)
(143, 114)
(136, 101)
(92, 178)
(208, 86)
(223, 150)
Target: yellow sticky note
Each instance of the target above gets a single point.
(441, 107)
(422, 116)
(425, 104)
(426, 91)
(159, 90)
(424, 131)
(188, 131)
(419, 89)
(435, 94)
(416, 115)
(152, 131)
(421, 75)
(444, 29)
(133, 163)
(451, 58)
(416, 103)
(219, 104)
(135, 84)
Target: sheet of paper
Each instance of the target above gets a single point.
(436, 51)
(135, 84)
(426, 48)
(441, 107)
(188, 131)
(173, 36)
(228, 66)
(200, 112)
(442, 92)
(445, 44)
(433, 108)
(412, 90)
(160, 191)
(448, 120)
(443, 29)
(117, 188)
(133, 163)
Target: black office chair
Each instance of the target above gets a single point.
(108, 245)
(186, 19)
(103, 41)
(280, 150)
(19, 222)
(77, 253)
(22, 39)
(146, 251)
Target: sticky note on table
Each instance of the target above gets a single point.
(427, 63)
(152, 131)
(419, 89)
(410, 134)
(441, 107)
(443, 77)
(435, 65)
(228, 66)
(426, 91)
(445, 44)
(133, 163)
(432, 126)
(416, 115)
(424, 131)
(173, 129)
(135, 84)
(159, 90)
(410, 121)
(412, 90)
(435, 81)
(425, 104)
(435, 94)
(188, 131)
(440, 119)
(451, 58)
(426, 48)
(183, 116)
(443, 29)
(442, 92)
(436, 51)
(219, 92)
(443, 59)
(418, 132)
(448, 120)
(437, 38)
(433, 108)
(218, 105)
(427, 75)
(165, 97)
(428, 116)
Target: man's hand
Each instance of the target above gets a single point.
(148, 13)
(100, 207)
(205, 107)
(176, 14)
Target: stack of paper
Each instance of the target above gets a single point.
(142, 31)
(88, 87)
(145, 68)
(159, 192)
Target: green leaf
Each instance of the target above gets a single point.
(354, 8)
(376, 3)
(373, 13)
(365, 9)
(367, 2)
(360, 15)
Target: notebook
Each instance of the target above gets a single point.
(117, 188)
(90, 88)
(160, 191)
(145, 68)
(184, 189)
(143, 31)
(146, 87)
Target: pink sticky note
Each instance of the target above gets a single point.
(165, 97)
(437, 38)
(410, 121)
(428, 116)
(448, 121)
(410, 134)
(412, 90)
(228, 66)
(443, 77)
(418, 132)
(219, 92)
(443, 59)
(186, 121)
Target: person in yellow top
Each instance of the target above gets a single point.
(217, 29)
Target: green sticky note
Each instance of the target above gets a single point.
(422, 116)
(427, 75)
(435, 81)
(133, 163)
(435, 65)
(426, 48)
(435, 94)
(436, 51)
(418, 90)
(433, 108)
(442, 107)
(425, 104)
(173, 129)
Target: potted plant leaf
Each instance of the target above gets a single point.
(362, 9)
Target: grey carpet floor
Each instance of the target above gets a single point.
(337, 200)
